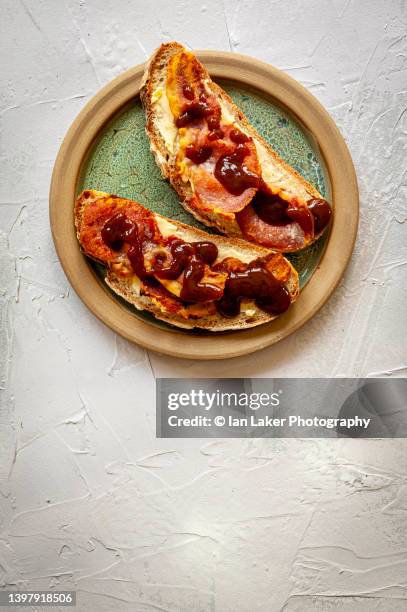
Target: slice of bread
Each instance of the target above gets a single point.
(144, 298)
(279, 177)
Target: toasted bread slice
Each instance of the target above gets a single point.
(93, 209)
(199, 191)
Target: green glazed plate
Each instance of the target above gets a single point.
(120, 163)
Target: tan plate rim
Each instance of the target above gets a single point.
(286, 92)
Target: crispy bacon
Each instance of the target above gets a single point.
(273, 262)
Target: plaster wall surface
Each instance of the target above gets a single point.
(90, 500)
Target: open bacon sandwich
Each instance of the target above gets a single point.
(180, 274)
(224, 172)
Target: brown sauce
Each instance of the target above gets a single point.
(198, 155)
(116, 230)
(198, 109)
(192, 112)
(233, 174)
(275, 211)
(322, 213)
(192, 288)
(208, 251)
(254, 283)
(188, 92)
(119, 230)
(181, 252)
(238, 137)
(302, 216)
(270, 208)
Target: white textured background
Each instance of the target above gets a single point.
(90, 500)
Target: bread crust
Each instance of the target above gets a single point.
(155, 76)
(214, 323)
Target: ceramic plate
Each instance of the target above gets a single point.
(107, 149)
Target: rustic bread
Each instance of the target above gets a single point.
(134, 293)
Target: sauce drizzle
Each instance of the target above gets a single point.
(233, 174)
(322, 213)
(198, 155)
(255, 282)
